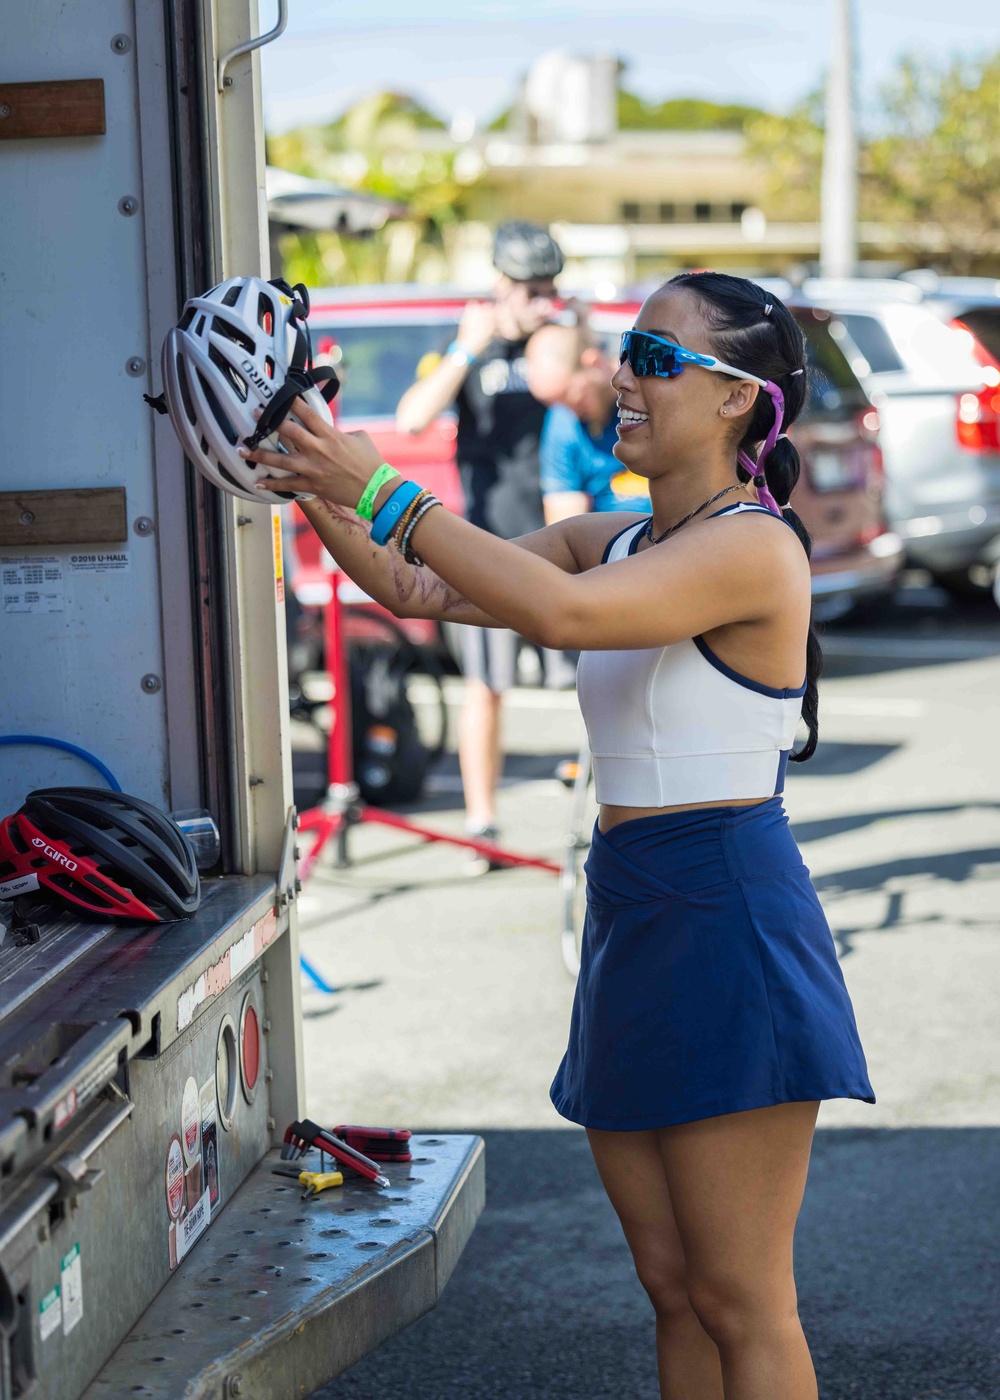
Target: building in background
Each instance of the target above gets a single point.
(632, 191)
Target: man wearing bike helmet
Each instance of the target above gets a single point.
(482, 374)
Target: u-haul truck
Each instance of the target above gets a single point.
(147, 1073)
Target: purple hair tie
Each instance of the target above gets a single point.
(756, 469)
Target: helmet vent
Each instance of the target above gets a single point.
(269, 367)
(85, 895)
(185, 391)
(103, 885)
(228, 476)
(217, 410)
(232, 296)
(204, 445)
(16, 839)
(200, 326)
(159, 867)
(265, 314)
(186, 319)
(236, 381)
(233, 333)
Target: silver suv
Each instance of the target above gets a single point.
(937, 391)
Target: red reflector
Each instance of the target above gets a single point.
(250, 1049)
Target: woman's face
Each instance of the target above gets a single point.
(665, 420)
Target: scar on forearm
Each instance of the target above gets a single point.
(345, 516)
(430, 589)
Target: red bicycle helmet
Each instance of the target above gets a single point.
(102, 852)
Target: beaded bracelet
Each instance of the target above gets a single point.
(404, 544)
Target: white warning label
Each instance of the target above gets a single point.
(194, 1224)
(32, 584)
(100, 563)
(50, 1313)
(71, 1288)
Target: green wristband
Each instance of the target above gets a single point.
(385, 473)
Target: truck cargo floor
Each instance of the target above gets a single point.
(282, 1294)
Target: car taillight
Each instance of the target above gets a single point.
(978, 422)
(868, 429)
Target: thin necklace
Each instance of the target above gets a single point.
(648, 532)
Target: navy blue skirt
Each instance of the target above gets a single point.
(709, 982)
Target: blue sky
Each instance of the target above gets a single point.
(467, 56)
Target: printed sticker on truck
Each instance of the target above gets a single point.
(236, 959)
(279, 567)
(32, 583)
(174, 1177)
(193, 1225)
(190, 1121)
(210, 1141)
(71, 1288)
(50, 1313)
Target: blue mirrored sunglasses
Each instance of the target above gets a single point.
(651, 355)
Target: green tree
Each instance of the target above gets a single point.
(378, 146)
(676, 114)
(931, 167)
(937, 162)
(681, 114)
(789, 150)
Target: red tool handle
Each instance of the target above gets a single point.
(381, 1144)
(334, 1147)
(349, 1130)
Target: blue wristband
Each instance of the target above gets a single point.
(458, 350)
(387, 518)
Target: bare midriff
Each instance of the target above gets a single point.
(614, 816)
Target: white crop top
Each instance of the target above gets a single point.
(675, 725)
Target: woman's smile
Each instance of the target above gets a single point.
(629, 419)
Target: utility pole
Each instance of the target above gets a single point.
(839, 191)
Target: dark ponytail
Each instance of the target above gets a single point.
(752, 330)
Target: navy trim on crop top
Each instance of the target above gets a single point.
(726, 510)
(699, 641)
(743, 680)
(617, 536)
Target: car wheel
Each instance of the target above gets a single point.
(871, 609)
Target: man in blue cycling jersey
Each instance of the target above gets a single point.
(567, 370)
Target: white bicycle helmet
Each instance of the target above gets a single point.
(242, 346)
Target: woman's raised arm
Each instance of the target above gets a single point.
(660, 596)
(384, 574)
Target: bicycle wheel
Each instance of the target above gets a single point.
(573, 882)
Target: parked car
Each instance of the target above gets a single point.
(382, 337)
(931, 363)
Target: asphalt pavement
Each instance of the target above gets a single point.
(452, 1008)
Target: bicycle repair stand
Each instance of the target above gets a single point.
(343, 807)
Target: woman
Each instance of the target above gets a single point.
(710, 1016)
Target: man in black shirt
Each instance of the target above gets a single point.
(499, 426)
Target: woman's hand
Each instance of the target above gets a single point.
(324, 461)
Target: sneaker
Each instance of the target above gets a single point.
(476, 864)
